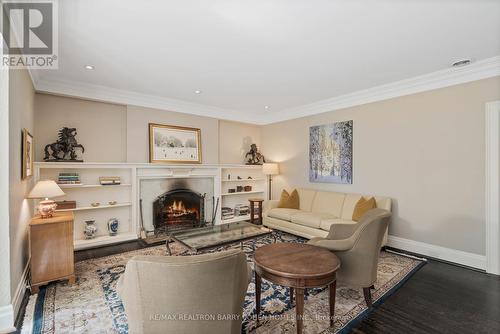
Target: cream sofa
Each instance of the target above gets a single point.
(318, 211)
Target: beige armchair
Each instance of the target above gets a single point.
(185, 294)
(358, 248)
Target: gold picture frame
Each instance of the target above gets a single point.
(174, 144)
(27, 155)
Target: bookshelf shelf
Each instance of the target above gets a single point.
(77, 186)
(244, 180)
(236, 219)
(107, 206)
(244, 193)
(103, 240)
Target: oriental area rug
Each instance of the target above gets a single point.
(92, 305)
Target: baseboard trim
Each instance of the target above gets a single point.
(438, 252)
(7, 319)
(21, 289)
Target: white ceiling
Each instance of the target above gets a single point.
(298, 57)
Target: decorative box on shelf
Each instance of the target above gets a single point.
(62, 205)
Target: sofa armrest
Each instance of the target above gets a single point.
(270, 204)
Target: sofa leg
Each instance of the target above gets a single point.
(368, 296)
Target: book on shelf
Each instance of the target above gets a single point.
(227, 213)
(109, 180)
(68, 178)
(241, 210)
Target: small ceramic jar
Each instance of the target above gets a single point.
(90, 229)
(113, 225)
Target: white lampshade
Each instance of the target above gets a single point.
(270, 168)
(46, 189)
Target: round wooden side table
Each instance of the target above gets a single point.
(255, 202)
(298, 266)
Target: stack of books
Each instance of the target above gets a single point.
(241, 210)
(227, 213)
(109, 180)
(68, 178)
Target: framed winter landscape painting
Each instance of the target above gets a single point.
(330, 153)
(174, 144)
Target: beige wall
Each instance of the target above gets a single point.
(118, 133)
(138, 119)
(21, 115)
(235, 140)
(6, 321)
(426, 151)
(101, 126)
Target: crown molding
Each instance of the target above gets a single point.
(118, 96)
(482, 69)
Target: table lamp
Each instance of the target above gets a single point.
(270, 169)
(46, 189)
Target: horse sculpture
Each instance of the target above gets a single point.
(256, 158)
(65, 144)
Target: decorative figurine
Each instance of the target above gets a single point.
(65, 144)
(90, 229)
(113, 224)
(239, 177)
(256, 158)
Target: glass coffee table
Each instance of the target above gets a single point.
(205, 237)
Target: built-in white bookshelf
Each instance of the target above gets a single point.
(115, 201)
(127, 193)
(248, 176)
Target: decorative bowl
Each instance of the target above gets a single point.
(112, 202)
(95, 204)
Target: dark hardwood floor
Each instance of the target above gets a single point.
(439, 298)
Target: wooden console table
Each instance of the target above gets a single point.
(51, 250)
(298, 266)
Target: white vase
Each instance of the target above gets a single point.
(90, 229)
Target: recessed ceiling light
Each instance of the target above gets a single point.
(197, 91)
(266, 107)
(461, 62)
(89, 67)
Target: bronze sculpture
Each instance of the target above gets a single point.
(65, 144)
(256, 158)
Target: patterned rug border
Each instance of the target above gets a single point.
(40, 320)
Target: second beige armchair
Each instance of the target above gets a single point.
(358, 248)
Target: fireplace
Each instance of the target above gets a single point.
(178, 209)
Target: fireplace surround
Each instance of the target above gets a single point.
(178, 209)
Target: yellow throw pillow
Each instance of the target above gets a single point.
(362, 207)
(289, 201)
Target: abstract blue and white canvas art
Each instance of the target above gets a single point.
(330, 152)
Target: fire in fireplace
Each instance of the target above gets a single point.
(179, 208)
